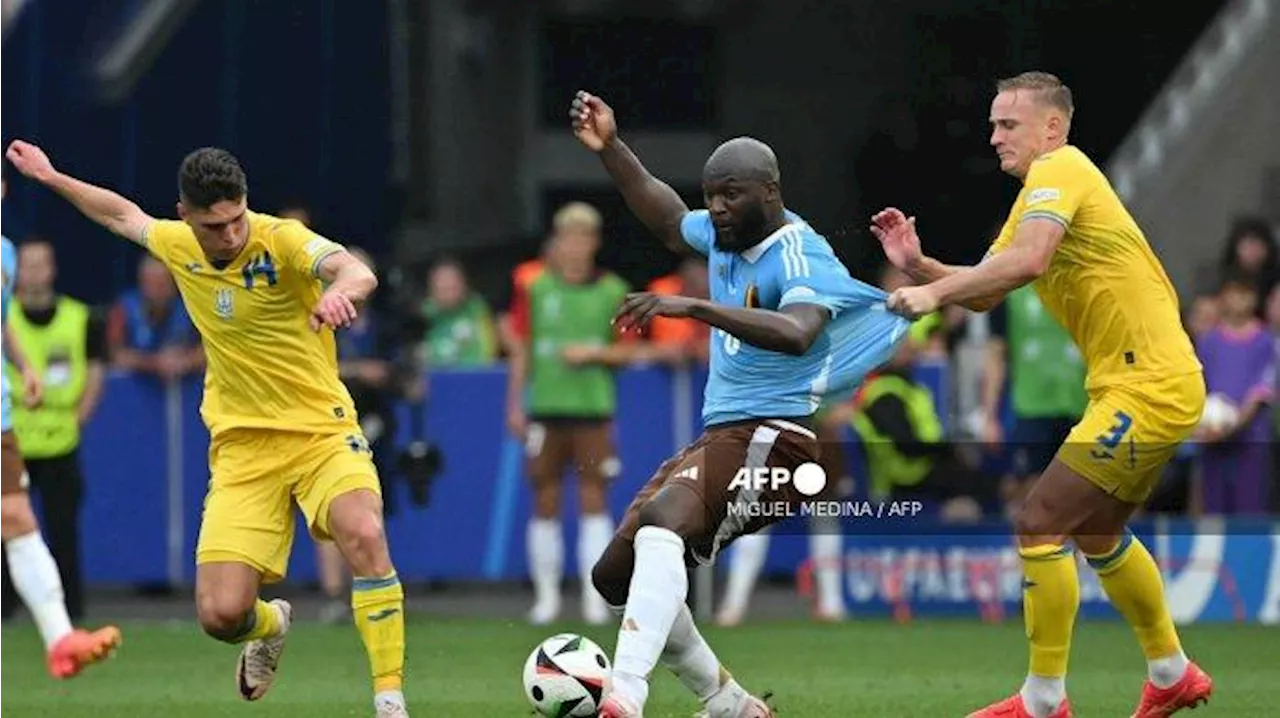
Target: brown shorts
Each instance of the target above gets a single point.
(708, 468)
(557, 444)
(13, 472)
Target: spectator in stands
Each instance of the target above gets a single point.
(521, 277)
(1250, 251)
(149, 331)
(1273, 320)
(561, 400)
(681, 340)
(1032, 358)
(1239, 358)
(64, 341)
(908, 456)
(460, 329)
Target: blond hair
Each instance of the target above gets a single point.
(1047, 88)
(577, 215)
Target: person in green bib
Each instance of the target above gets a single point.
(561, 400)
(1045, 380)
(460, 328)
(65, 342)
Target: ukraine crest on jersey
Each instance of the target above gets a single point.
(794, 265)
(266, 368)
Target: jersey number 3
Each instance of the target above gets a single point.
(1108, 442)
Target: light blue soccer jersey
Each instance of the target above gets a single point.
(794, 265)
(9, 265)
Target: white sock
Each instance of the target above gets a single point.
(659, 586)
(689, 657)
(1042, 695)
(1165, 672)
(749, 553)
(546, 558)
(35, 577)
(385, 697)
(825, 546)
(594, 533)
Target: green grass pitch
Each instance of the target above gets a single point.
(472, 668)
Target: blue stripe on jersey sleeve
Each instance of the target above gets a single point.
(698, 232)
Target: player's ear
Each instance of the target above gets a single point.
(182, 211)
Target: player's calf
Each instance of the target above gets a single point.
(17, 516)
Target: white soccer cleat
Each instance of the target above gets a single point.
(256, 669)
(390, 708)
(751, 707)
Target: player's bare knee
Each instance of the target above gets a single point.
(1034, 521)
(223, 614)
(18, 519)
(364, 542)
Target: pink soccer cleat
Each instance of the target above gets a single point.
(81, 648)
(1191, 690)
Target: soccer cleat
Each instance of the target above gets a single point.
(81, 648)
(1191, 690)
(1013, 707)
(259, 659)
(752, 707)
(388, 708)
(616, 706)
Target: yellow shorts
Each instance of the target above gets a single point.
(1130, 432)
(258, 474)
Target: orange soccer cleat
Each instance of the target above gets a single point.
(1013, 707)
(81, 648)
(1191, 690)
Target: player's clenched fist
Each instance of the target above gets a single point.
(913, 302)
(30, 160)
(334, 310)
(593, 122)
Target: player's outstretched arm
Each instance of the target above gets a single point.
(649, 198)
(901, 244)
(1023, 261)
(790, 330)
(350, 281)
(117, 214)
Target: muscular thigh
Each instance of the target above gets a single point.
(247, 512)
(1128, 435)
(331, 465)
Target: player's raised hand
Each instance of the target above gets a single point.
(334, 310)
(913, 302)
(639, 308)
(30, 160)
(593, 121)
(897, 235)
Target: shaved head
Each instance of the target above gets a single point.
(742, 190)
(743, 158)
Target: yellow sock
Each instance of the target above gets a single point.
(1132, 581)
(1050, 598)
(378, 605)
(265, 623)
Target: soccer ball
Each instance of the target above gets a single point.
(566, 676)
(1219, 413)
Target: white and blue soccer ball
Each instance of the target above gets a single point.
(567, 676)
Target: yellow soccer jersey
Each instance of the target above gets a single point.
(266, 368)
(1104, 284)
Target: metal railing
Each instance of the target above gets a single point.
(1187, 97)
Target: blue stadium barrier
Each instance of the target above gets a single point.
(146, 466)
